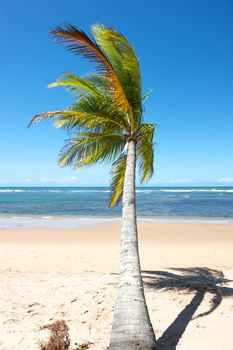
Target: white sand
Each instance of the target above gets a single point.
(49, 274)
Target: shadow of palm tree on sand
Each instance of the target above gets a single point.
(200, 280)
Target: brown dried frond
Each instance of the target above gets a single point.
(59, 337)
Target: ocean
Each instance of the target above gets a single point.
(81, 206)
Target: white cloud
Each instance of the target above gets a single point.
(225, 180)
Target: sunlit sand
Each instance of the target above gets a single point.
(71, 274)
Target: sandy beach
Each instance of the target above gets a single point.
(71, 274)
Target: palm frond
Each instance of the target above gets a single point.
(87, 121)
(100, 82)
(79, 43)
(90, 112)
(145, 151)
(108, 106)
(75, 84)
(125, 63)
(94, 107)
(88, 148)
(117, 183)
(48, 115)
(145, 97)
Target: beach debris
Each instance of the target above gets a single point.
(33, 304)
(59, 336)
(73, 300)
(83, 346)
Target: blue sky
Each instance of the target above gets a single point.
(186, 55)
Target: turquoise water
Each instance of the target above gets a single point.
(47, 205)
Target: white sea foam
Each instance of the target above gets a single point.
(53, 191)
(77, 222)
(143, 191)
(20, 218)
(11, 190)
(197, 190)
(16, 191)
(54, 222)
(89, 191)
(146, 191)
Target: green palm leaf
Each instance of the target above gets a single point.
(117, 183)
(51, 114)
(102, 106)
(87, 121)
(90, 112)
(145, 151)
(75, 84)
(79, 43)
(125, 63)
(145, 97)
(107, 111)
(88, 148)
(100, 82)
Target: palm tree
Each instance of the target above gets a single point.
(105, 125)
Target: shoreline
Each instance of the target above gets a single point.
(75, 207)
(69, 222)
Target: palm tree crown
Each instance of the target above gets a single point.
(107, 112)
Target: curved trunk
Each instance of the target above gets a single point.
(131, 327)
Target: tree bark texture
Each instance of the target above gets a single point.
(131, 329)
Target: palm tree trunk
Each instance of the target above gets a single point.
(131, 327)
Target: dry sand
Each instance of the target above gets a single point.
(71, 274)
